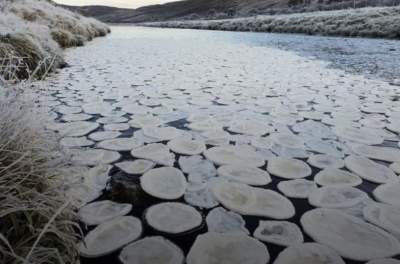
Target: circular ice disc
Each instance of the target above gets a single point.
(378, 153)
(233, 155)
(187, 146)
(152, 250)
(162, 133)
(336, 197)
(362, 136)
(247, 200)
(211, 248)
(220, 220)
(288, 168)
(308, 253)
(138, 166)
(370, 170)
(384, 216)
(120, 144)
(281, 233)
(249, 127)
(299, 188)
(388, 193)
(336, 177)
(173, 218)
(244, 174)
(141, 121)
(94, 157)
(165, 183)
(395, 167)
(77, 129)
(104, 135)
(323, 161)
(159, 153)
(350, 236)
(110, 236)
(73, 142)
(103, 211)
(288, 140)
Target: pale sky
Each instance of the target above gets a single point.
(117, 3)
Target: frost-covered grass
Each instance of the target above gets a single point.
(36, 30)
(364, 22)
(37, 221)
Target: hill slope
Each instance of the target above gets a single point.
(179, 10)
(220, 9)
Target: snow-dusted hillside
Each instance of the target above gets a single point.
(364, 22)
(33, 32)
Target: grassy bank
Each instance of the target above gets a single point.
(34, 32)
(37, 220)
(363, 22)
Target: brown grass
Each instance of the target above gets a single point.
(35, 62)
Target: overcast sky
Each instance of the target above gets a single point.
(118, 3)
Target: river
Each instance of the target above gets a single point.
(282, 95)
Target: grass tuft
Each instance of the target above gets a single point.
(37, 221)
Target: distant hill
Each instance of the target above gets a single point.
(218, 9)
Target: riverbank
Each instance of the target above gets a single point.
(363, 22)
(33, 34)
(38, 220)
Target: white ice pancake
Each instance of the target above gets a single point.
(173, 218)
(362, 136)
(220, 220)
(350, 236)
(152, 250)
(187, 146)
(120, 144)
(336, 177)
(299, 188)
(165, 183)
(233, 155)
(288, 140)
(73, 142)
(244, 174)
(104, 135)
(336, 197)
(378, 153)
(281, 233)
(247, 200)
(388, 193)
(162, 133)
(94, 157)
(288, 168)
(76, 129)
(110, 236)
(323, 161)
(99, 212)
(140, 121)
(212, 248)
(370, 170)
(158, 153)
(308, 253)
(384, 216)
(138, 166)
